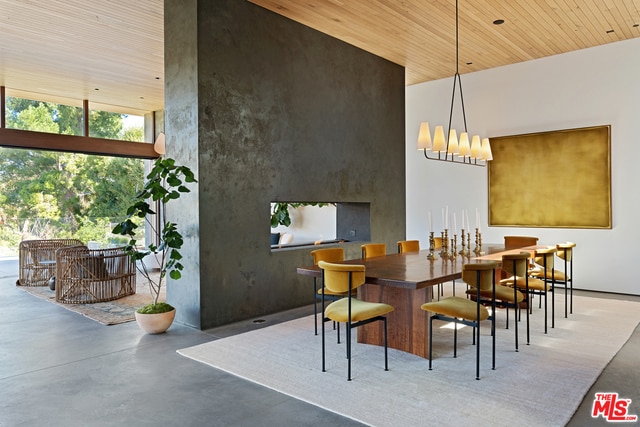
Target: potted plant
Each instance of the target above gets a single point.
(163, 184)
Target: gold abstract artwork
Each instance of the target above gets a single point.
(551, 179)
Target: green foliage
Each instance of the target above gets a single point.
(103, 124)
(157, 308)
(45, 194)
(165, 182)
(93, 229)
(280, 212)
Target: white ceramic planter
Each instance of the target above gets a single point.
(155, 323)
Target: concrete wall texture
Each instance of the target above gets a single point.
(266, 109)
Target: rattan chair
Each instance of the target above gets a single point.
(37, 260)
(93, 275)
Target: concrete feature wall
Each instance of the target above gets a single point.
(283, 113)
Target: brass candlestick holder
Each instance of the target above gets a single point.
(454, 252)
(432, 245)
(463, 251)
(478, 249)
(445, 244)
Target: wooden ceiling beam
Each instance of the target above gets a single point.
(15, 138)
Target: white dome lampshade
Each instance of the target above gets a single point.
(158, 146)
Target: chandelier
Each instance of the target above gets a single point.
(474, 151)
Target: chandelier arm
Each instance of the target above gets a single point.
(453, 97)
(464, 114)
(441, 159)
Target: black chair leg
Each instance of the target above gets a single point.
(386, 357)
(322, 327)
(430, 340)
(315, 305)
(349, 351)
(477, 332)
(455, 339)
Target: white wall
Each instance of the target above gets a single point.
(310, 224)
(590, 87)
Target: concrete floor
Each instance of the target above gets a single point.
(58, 368)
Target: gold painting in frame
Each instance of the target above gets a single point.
(551, 179)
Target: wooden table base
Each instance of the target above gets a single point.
(407, 325)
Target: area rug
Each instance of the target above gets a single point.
(542, 384)
(107, 313)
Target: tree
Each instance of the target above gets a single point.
(51, 194)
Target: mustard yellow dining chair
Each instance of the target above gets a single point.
(408, 246)
(544, 259)
(507, 296)
(328, 255)
(341, 278)
(516, 265)
(370, 250)
(517, 242)
(565, 279)
(536, 284)
(471, 312)
(437, 242)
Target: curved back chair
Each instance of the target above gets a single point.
(516, 265)
(408, 246)
(437, 242)
(370, 250)
(545, 274)
(346, 278)
(517, 242)
(37, 260)
(508, 296)
(328, 255)
(565, 253)
(86, 275)
(481, 278)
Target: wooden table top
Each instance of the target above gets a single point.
(411, 270)
(495, 252)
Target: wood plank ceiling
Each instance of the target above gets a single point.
(111, 53)
(420, 34)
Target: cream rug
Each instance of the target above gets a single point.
(543, 384)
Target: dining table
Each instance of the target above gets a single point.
(406, 281)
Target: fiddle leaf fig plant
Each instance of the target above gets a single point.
(165, 183)
(280, 212)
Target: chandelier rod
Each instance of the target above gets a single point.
(457, 79)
